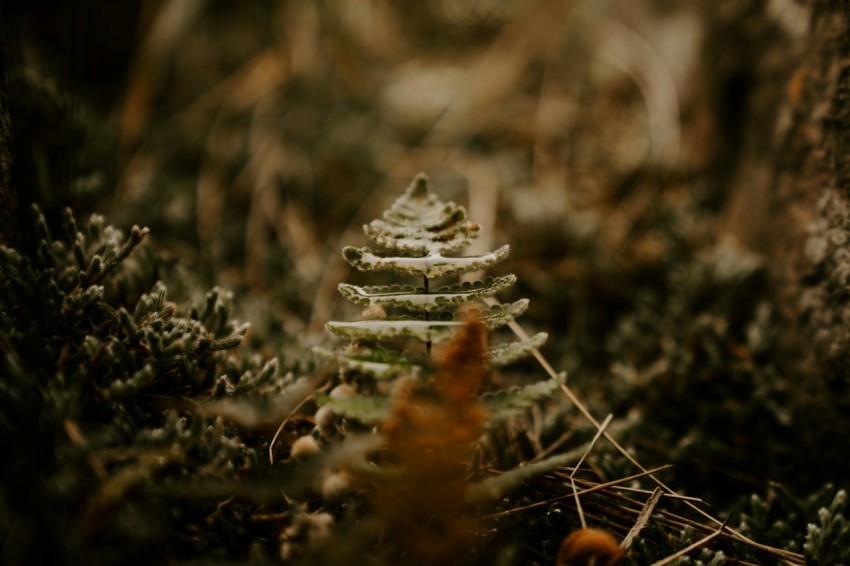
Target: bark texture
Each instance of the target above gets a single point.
(789, 199)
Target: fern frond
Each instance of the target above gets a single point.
(419, 207)
(413, 241)
(379, 363)
(500, 315)
(505, 354)
(415, 236)
(419, 224)
(434, 265)
(426, 330)
(506, 403)
(415, 299)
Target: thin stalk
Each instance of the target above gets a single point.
(427, 316)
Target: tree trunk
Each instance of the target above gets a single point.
(788, 160)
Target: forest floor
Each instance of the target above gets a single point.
(255, 140)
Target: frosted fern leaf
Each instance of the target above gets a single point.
(418, 236)
(432, 265)
(415, 299)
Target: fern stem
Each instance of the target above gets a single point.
(425, 283)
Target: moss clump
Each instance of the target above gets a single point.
(111, 405)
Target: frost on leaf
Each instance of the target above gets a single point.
(415, 299)
(505, 354)
(434, 265)
(422, 236)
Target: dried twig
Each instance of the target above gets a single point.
(597, 487)
(643, 518)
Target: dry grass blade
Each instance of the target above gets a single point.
(643, 518)
(580, 462)
(665, 495)
(281, 427)
(578, 504)
(694, 546)
(597, 487)
(599, 432)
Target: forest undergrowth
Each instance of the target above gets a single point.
(172, 394)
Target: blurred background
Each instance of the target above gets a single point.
(639, 156)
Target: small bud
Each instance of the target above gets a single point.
(304, 447)
(589, 546)
(306, 531)
(326, 418)
(335, 485)
(374, 312)
(343, 391)
(223, 388)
